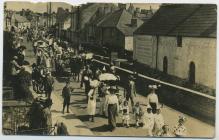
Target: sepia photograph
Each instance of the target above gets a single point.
(109, 69)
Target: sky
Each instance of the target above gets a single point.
(41, 7)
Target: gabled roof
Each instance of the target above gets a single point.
(182, 19)
(87, 11)
(112, 19)
(100, 15)
(120, 19)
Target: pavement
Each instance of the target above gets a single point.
(77, 120)
(74, 125)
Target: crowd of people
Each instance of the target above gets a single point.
(57, 58)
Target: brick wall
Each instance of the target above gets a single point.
(195, 105)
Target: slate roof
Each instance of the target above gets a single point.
(87, 11)
(99, 16)
(202, 23)
(182, 19)
(120, 19)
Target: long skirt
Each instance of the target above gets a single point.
(154, 107)
(102, 103)
(106, 109)
(91, 106)
(112, 110)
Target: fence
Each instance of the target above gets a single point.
(188, 101)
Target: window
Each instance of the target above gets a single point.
(192, 73)
(165, 65)
(112, 30)
(179, 41)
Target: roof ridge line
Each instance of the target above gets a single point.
(184, 19)
(120, 16)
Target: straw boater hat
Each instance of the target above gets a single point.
(15, 57)
(112, 88)
(182, 118)
(152, 87)
(131, 77)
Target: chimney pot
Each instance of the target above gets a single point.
(122, 6)
(134, 22)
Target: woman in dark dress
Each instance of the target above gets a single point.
(112, 104)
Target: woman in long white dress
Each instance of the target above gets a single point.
(92, 96)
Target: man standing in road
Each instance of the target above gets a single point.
(66, 94)
(131, 91)
(49, 82)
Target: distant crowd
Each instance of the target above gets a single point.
(57, 58)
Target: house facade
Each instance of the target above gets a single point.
(20, 21)
(184, 47)
(117, 31)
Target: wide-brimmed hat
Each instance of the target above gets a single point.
(94, 83)
(131, 77)
(15, 57)
(33, 65)
(152, 86)
(112, 88)
(182, 118)
(23, 47)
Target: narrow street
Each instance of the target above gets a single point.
(79, 114)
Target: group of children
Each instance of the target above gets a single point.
(153, 122)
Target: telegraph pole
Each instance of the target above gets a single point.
(78, 27)
(47, 19)
(50, 13)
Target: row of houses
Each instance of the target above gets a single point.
(16, 20)
(106, 24)
(177, 39)
(27, 19)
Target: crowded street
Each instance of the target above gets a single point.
(59, 80)
(99, 126)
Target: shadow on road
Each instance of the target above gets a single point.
(103, 128)
(56, 111)
(61, 79)
(83, 118)
(70, 116)
(82, 126)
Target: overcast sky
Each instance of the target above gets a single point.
(41, 7)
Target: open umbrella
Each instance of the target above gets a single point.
(89, 55)
(107, 77)
(94, 83)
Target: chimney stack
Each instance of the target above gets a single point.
(107, 9)
(137, 12)
(122, 6)
(134, 22)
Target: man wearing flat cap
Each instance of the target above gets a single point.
(66, 94)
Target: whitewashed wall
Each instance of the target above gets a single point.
(144, 47)
(201, 51)
(129, 43)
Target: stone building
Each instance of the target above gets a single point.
(180, 40)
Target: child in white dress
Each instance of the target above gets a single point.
(125, 114)
(165, 132)
(180, 129)
(148, 120)
(158, 122)
(137, 113)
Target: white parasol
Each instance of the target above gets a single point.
(107, 77)
(21, 38)
(94, 83)
(89, 55)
